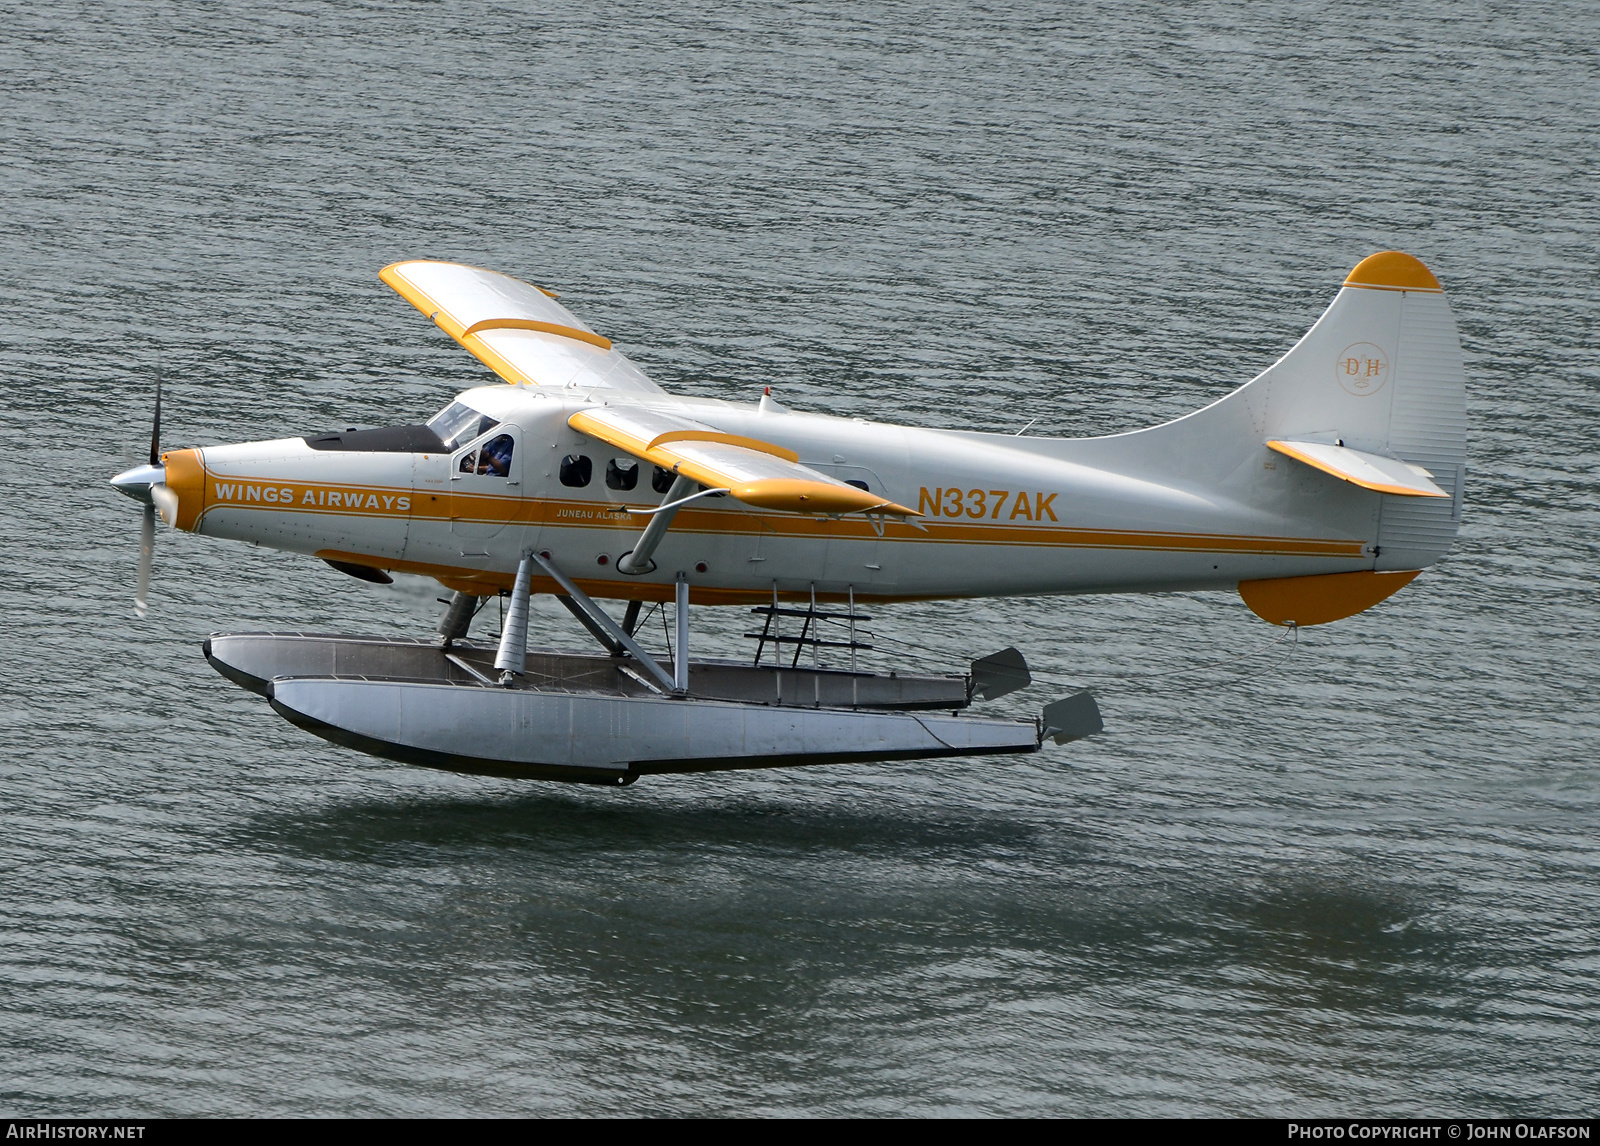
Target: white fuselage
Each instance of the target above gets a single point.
(1001, 515)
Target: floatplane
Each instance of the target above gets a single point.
(1315, 491)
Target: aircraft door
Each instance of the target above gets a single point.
(486, 483)
(854, 550)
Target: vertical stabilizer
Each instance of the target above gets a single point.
(1373, 401)
(1381, 372)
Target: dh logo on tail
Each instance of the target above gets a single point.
(1362, 368)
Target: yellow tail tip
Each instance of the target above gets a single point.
(1392, 270)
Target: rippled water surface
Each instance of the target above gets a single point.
(1360, 877)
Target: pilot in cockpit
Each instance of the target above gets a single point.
(495, 457)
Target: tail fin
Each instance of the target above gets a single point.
(1381, 373)
(1374, 394)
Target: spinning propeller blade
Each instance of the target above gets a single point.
(147, 484)
(147, 556)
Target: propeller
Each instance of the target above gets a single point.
(147, 527)
(147, 484)
(147, 558)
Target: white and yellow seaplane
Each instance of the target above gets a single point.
(1316, 490)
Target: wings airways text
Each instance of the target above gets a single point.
(986, 503)
(304, 497)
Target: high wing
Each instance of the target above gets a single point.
(517, 330)
(521, 333)
(757, 473)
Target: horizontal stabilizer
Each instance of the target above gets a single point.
(1369, 471)
(757, 473)
(517, 330)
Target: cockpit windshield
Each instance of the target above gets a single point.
(458, 423)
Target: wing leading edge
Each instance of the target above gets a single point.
(757, 473)
(517, 330)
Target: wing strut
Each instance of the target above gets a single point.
(637, 560)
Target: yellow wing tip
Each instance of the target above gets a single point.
(1392, 270)
(389, 273)
(801, 495)
(403, 287)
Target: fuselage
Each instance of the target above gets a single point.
(999, 514)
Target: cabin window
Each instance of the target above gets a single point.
(576, 470)
(622, 473)
(458, 423)
(856, 483)
(661, 480)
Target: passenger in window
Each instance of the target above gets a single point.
(576, 470)
(495, 458)
(622, 473)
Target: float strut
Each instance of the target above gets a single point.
(512, 659)
(603, 619)
(611, 646)
(680, 666)
(458, 618)
(630, 619)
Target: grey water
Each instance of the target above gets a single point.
(1355, 876)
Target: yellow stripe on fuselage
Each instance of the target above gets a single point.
(504, 510)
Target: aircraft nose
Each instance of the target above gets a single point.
(136, 483)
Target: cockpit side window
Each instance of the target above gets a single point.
(495, 457)
(458, 423)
